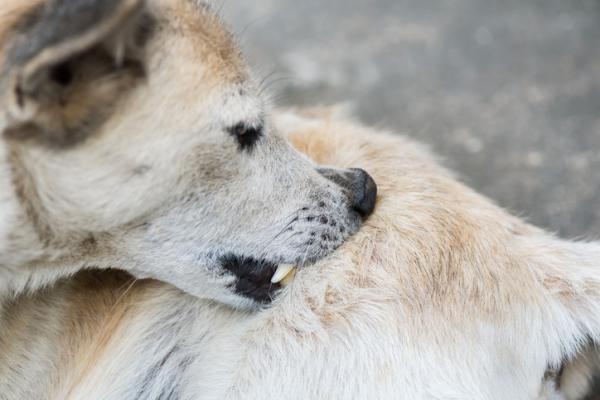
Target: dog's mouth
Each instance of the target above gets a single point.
(258, 280)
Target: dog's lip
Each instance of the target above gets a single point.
(256, 278)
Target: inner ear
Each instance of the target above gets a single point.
(62, 74)
(69, 40)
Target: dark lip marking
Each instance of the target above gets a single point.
(246, 135)
(253, 277)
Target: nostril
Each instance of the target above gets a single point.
(365, 193)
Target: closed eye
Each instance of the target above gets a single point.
(246, 135)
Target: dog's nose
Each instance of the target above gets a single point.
(363, 193)
(358, 186)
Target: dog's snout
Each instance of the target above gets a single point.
(363, 192)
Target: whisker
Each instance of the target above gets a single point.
(268, 84)
(219, 10)
(122, 295)
(293, 218)
(241, 33)
(266, 78)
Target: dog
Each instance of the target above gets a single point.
(440, 295)
(134, 136)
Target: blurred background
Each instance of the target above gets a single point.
(506, 91)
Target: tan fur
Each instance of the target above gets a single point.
(435, 223)
(213, 43)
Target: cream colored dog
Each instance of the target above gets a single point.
(441, 295)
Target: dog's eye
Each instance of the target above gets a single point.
(246, 135)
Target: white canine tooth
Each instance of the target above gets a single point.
(282, 272)
(286, 281)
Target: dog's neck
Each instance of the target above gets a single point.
(26, 263)
(18, 241)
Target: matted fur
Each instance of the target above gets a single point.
(441, 295)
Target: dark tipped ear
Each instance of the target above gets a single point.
(40, 57)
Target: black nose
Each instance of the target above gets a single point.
(363, 192)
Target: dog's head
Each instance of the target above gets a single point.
(138, 139)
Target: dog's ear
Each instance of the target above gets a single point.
(64, 60)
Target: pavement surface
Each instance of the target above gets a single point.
(506, 91)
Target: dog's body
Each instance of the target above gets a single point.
(441, 295)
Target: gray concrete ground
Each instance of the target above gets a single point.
(507, 91)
